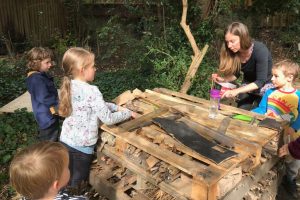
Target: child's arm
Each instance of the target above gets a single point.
(262, 107)
(112, 107)
(105, 114)
(292, 148)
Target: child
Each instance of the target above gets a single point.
(82, 104)
(43, 93)
(40, 171)
(283, 102)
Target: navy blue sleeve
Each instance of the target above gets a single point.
(40, 91)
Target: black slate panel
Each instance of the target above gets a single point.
(187, 136)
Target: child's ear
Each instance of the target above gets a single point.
(55, 185)
(291, 77)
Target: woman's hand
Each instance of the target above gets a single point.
(283, 151)
(230, 93)
(217, 78)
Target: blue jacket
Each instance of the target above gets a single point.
(43, 96)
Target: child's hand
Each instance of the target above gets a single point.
(290, 131)
(134, 115)
(283, 151)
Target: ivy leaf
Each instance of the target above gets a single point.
(6, 158)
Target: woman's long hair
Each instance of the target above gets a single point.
(230, 62)
(74, 60)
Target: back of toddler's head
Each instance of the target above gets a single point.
(34, 169)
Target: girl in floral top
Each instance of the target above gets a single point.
(83, 107)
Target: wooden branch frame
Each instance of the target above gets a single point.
(198, 55)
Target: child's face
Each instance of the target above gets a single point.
(279, 79)
(65, 177)
(46, 64)
(89, 72)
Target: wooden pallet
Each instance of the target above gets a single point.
(138, 144)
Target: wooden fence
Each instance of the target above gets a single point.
(36, 20)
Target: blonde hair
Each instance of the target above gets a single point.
(74, 60)
(288, 68)
(230, 62)
(36, 55)
(34, 169)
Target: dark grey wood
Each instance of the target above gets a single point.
(193, 140)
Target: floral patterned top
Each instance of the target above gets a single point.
(88, 106)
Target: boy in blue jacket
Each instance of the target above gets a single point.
(44, 96)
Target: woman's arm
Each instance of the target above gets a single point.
(246, 88)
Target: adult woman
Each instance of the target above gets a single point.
(242, 54)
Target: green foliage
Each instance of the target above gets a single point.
(12, 78)
(201, 84)
(169, 67)
(110, 38)
(18, 130)
(61, 44)
(113, 83)
(118, 45)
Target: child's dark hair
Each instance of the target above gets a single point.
(36, 55)
(288, 67)
(34, 169)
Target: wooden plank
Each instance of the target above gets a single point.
(225, 109)
(180, 147)
(100, 183)
(199, 113)
(246, 183)
(140, 121)
(119, 157)
(208, 175)
(23, 101)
